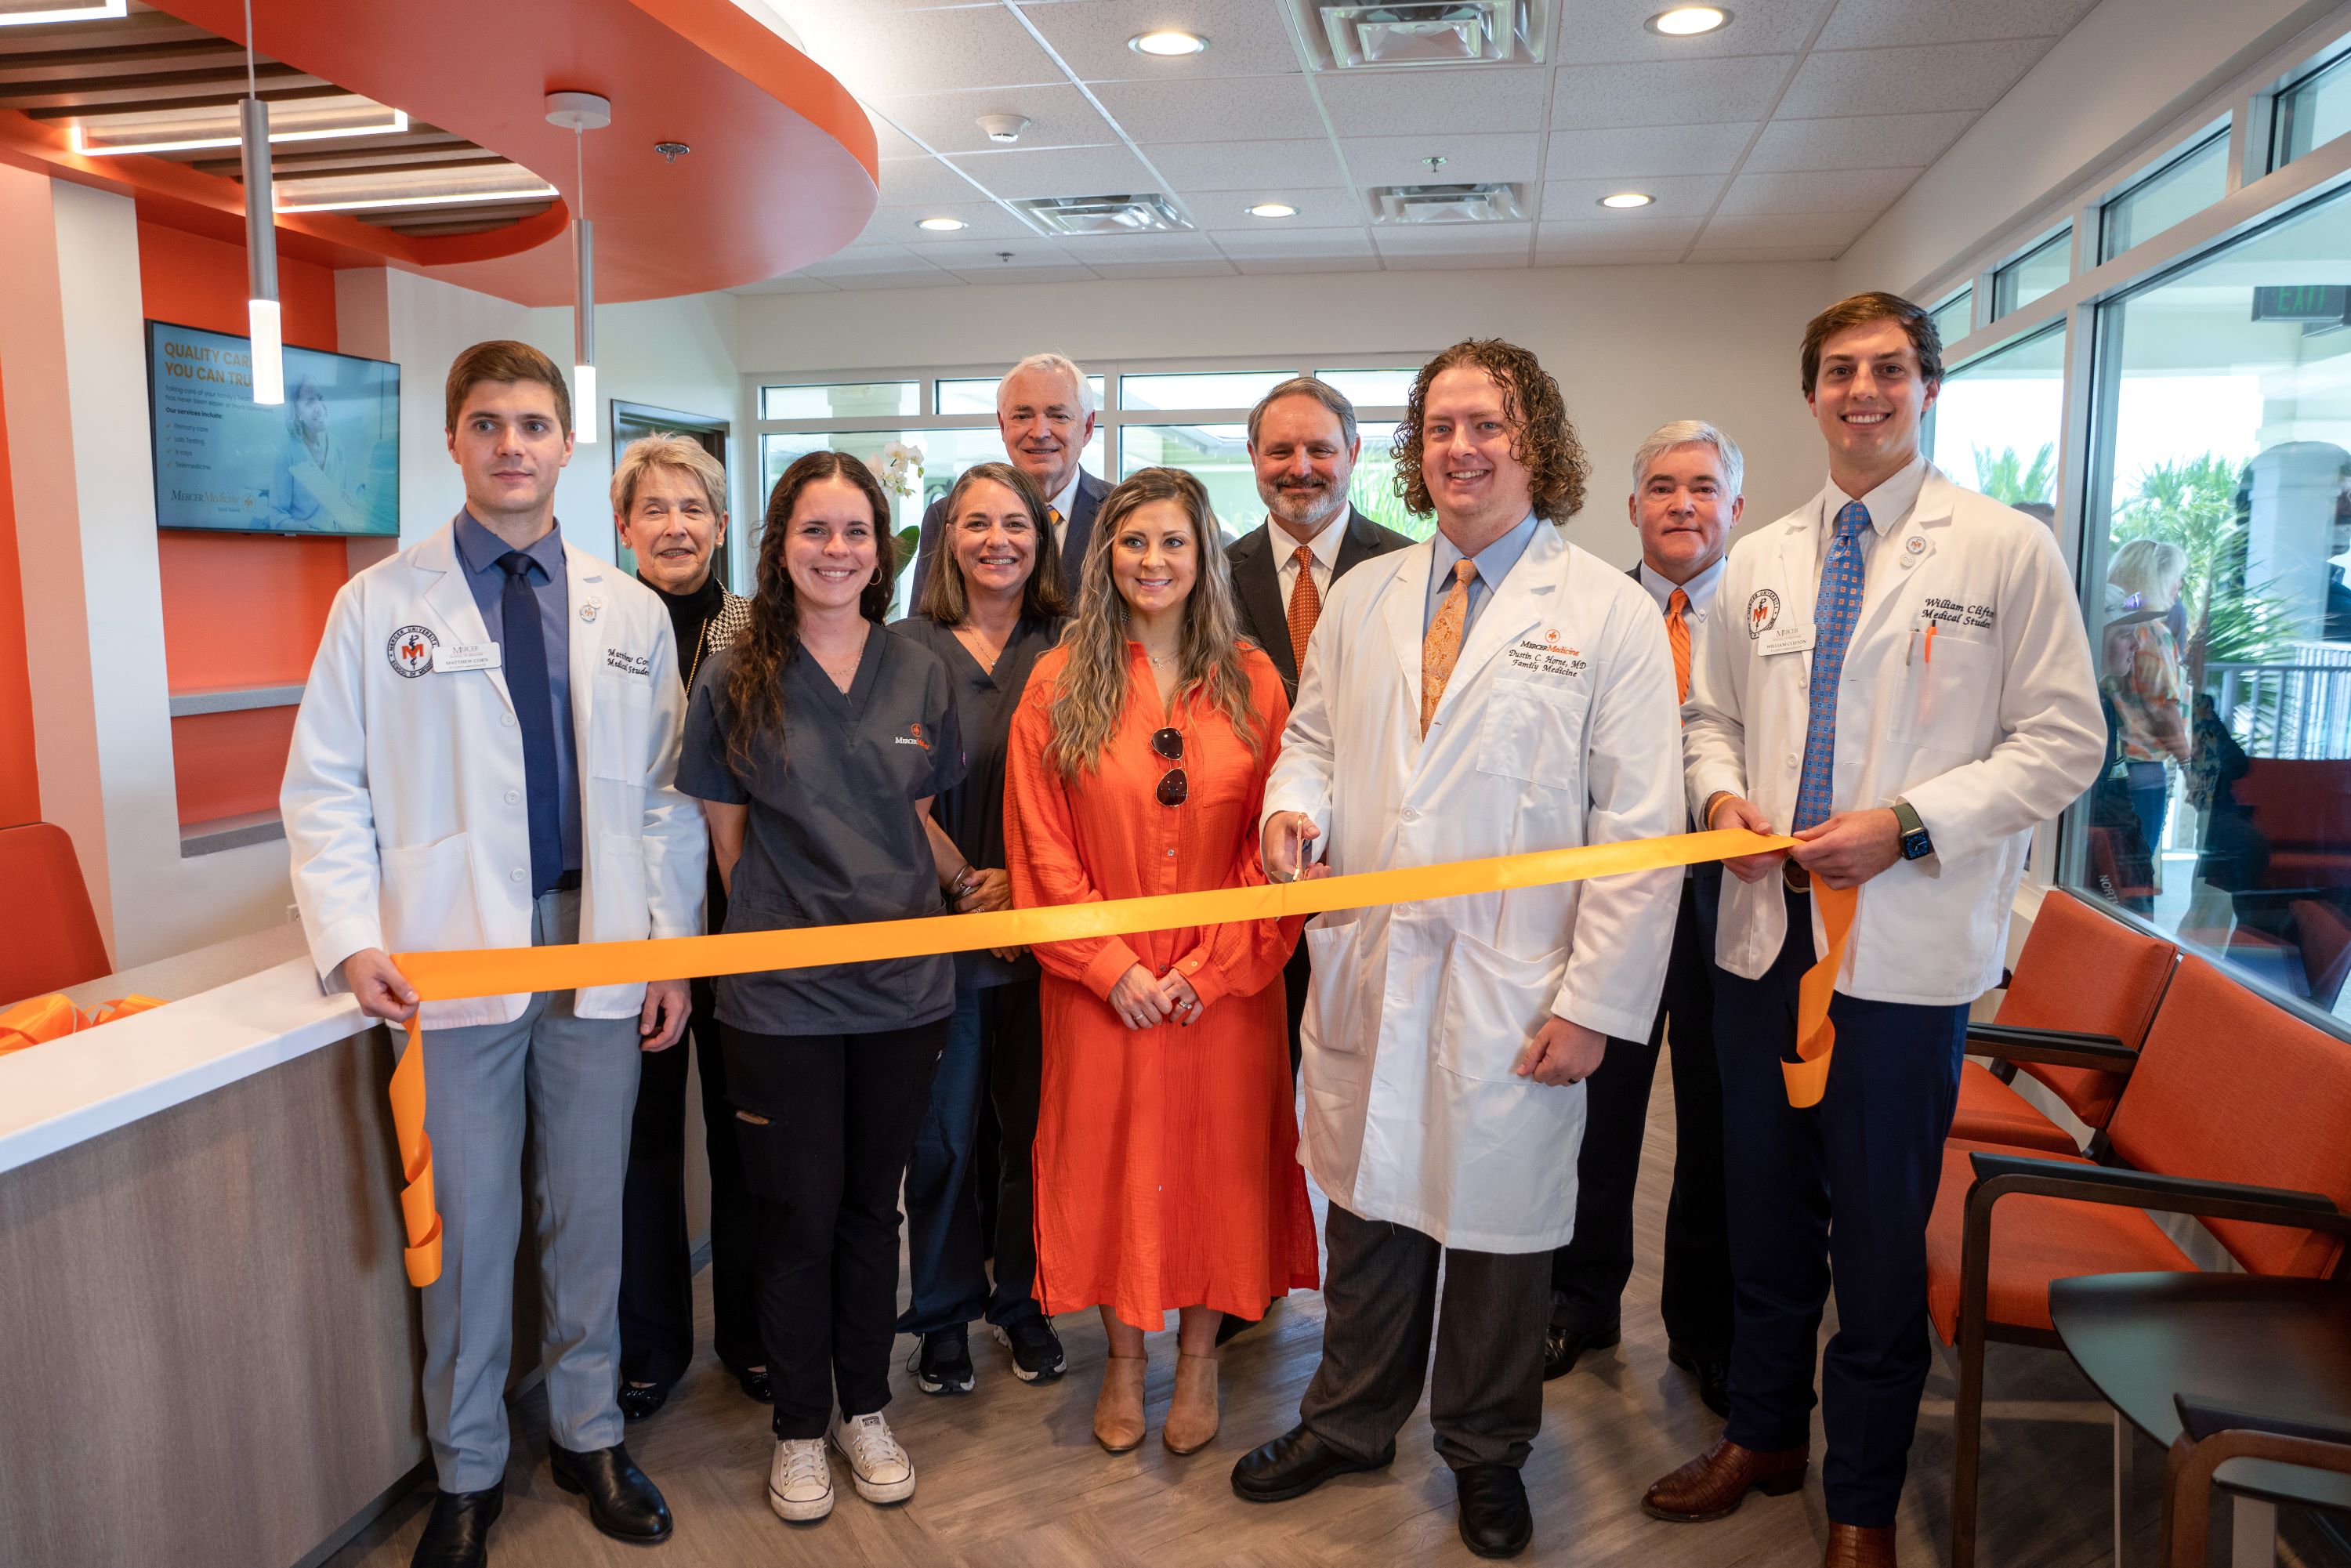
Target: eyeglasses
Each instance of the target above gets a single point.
(1174, 787)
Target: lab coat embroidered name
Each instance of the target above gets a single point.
(410, 650)
(628, 664)
(1762, 611)
(1951, 613)
(1547, 656)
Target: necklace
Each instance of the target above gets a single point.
(1160, 663)
(844, 676)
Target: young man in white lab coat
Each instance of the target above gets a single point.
(483, 759)
(1900, 677)
(1491, 691)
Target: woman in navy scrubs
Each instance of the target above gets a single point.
(816, 744)
(995, 604)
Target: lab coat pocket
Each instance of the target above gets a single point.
(616, 887)
(1534, 730)
(1333, 1023)
(429, 900)
(1950, 692)
(1491, 1005)
(620, 729)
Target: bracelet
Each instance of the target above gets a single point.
(965, 881)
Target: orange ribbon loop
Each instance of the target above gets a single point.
(45, 1019)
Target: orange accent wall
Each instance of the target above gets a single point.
(20, 779)
(239, 609)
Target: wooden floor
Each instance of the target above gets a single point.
(1010, 1477)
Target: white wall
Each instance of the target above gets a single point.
(1633, 346)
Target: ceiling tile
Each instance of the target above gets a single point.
(1236, 108)
(792, 284)
(1059, 116)
(1241, 166)
(1092, 248)
(982, 220)
(1837, 229)
(879, 54)
(1875, 24)
(1427, 102)
(1214, 267)
(986, 254)
(1595, 32)
(1773, 253)
(1246, 37)
(1679, 92)
(1454, 239)
(1859, 141)
(868, 261)
(1058, 172)
(1595, 237)
(1647, 150)
(1908, 80)
(1451, 261)
(1679, 198)
(887, 142)
(1266, 265)
(1318, 208)
(1844, 191)
(923, 183)
(932, 279)
(1069, 274)
(1296, 243)
(1399, 160)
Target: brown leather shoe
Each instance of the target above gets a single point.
(1858, 1546)
(1713, 1485)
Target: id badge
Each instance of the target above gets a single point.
(1787, 640)
(451, 657)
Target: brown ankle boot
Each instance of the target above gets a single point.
(1118, 1409)
(1713, 1485)
(1192, 1416)
(1858, 1546)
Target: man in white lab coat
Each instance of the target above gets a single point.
(483, 759)
(1900, 677)
(1493, 690)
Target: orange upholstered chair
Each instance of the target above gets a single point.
(2237, 1113)
(48, 935)
(2078, 1004)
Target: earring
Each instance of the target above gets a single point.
(877, 577)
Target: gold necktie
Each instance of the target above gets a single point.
(1442, 646)
(1677, 634)
(1305, 604)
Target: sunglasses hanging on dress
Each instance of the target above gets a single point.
(1174, 787)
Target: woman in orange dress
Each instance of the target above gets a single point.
(1166, 1137)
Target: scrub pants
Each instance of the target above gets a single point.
(994, 1040)
(825, 1122)
(574, 1080)
(1839, 1192)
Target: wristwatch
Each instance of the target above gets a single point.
(1916, 844)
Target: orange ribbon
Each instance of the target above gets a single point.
(45, 1019)
(506, 971)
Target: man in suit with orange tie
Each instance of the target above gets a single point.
(1686, 499)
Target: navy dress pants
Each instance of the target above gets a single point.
(1836, 1194)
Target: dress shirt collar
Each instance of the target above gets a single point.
(1494, 562)
(1325, 544)
(480, 550)
(1701, 587)
(1066, 502)
(1888, 504)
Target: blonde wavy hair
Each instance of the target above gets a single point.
(1091, 694)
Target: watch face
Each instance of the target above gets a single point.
(1915, 846)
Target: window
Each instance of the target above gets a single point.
(846, 400)
(1999, 421)
(1198, 389)
(1373, 388)
(2312, 112)
(1954, 317)
(2038, 271)
(977, 395)
(2180, 189)
(2220, 621)
(1216, 454)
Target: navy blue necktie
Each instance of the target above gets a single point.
(525, 660)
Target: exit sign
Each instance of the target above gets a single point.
(2302, 302)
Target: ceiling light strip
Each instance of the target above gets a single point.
(95, 11)
(396, 126)
(461, 198)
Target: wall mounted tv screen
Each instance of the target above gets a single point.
(326, 462)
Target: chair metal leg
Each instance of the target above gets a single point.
(2253, 1533)
(1967, 1436)
(2124, 1439)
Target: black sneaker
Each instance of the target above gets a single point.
(1036, 1349)
(943, 1363)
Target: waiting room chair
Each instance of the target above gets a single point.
(48, 933)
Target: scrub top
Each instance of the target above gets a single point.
(832, 835)
(973, 811)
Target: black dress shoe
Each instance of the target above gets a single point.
(639, 1400)
(1495, 1520)
(457, 1533)
(1563, 1347)
(620, 1501)
(1233, 1327)
(757, 1387)
(1296, 1463)
(1713, 1375)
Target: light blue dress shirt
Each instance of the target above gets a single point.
(1494, 563)
(479, 549)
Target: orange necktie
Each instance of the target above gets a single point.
(1677, 634)
(1442, 646)
(1305, 604)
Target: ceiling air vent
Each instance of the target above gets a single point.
(1445, 204)
(1433, 32)
(1104, 215)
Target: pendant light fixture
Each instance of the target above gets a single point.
(581, 112)
(262, 324)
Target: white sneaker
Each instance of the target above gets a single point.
(799, 1481)
(884, 1472)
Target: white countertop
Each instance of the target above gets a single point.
(236, 1009)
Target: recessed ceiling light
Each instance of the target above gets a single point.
(1625, 201)
(1690, 21)
(942, 225)
(1167, 43)
(1273, 210)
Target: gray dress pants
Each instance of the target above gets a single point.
(1380, 1300)
(574, 1081)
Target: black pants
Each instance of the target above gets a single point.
(1296, 977)
(656, 1262)
(1589, 1274)
(825, 1122)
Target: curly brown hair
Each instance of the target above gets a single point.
(1542, 436)
(755, 686)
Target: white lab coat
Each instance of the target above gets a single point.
(1557, 728)
(404, 797)
(1995, 731)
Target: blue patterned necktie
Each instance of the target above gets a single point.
(1833, 614)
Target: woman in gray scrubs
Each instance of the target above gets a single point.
(992, 606)
(816, 744)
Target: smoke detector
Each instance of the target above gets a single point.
(1004, 128)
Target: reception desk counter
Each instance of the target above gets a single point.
(211, 1348)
